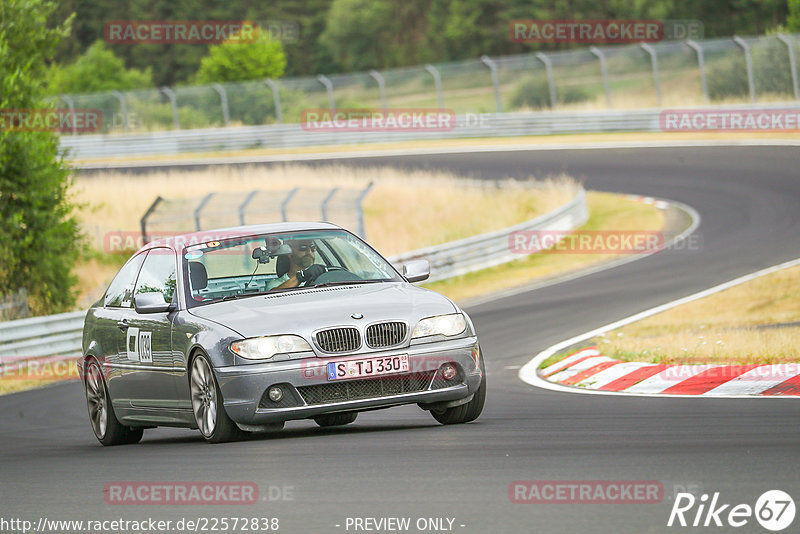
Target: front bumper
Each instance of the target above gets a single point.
(308, 392)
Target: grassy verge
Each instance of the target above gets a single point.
(13, 383)
(757, 322)
(607, 212)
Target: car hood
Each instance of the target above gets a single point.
(307, 310)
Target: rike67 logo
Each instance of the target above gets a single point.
(774, 510)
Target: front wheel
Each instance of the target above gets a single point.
(107, 429)
(209, 412)
(466, 412)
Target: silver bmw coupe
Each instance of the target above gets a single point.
(258, 325)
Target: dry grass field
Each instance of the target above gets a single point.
(755, 322)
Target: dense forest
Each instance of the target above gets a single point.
(344, 35)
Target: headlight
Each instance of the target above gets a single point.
(264, 348)
(445, 325)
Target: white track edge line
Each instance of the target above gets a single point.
(528, 371)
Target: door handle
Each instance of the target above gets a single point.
(123, 324)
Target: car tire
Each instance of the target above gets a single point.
(336, 419)
(207, 404)
(466, 412)
(105, 425)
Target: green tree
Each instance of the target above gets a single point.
(41, 238)
(793, 21)
(98, 69)
(359, 33)
(241, 61)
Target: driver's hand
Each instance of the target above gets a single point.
(311, 273)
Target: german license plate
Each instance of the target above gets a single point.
(385, 365)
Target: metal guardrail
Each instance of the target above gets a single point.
(43, 337)
(37, 337)
(293, 135)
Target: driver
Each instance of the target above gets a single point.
(302, 269)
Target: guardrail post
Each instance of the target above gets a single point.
(792, 63)
(71, 106)
(378, 77)
(199, 209)
(748, 60)
(360, 210)
(654, 62)
(498, 102)
(143, 221)
(243, 207)
(324, 80)
(123, 105)
(223, 100)
(701, 64)
(324, 205)
(604, 70)
(437, 81)
(551, 81)
(174, 102)
(285, 203)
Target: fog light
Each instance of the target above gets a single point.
(448, 371)
(275, 394)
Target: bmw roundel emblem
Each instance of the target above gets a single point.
(357, 316)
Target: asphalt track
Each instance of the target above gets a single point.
(400, 463)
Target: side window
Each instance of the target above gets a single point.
(120, 293)
(158, 274)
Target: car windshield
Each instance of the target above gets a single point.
(253, 265)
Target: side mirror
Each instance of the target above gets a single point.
(417, 270)
(151, 303)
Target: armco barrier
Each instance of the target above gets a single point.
(40, 337)
(293, 135)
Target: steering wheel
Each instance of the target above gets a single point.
(336, 274)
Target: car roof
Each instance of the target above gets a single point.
(178, 242)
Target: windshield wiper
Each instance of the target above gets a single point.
(243, 295)
(257, 293)
(349, 282)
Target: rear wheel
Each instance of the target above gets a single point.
(107, 429)
(209, 412)
(336, 419)
(466, 412)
